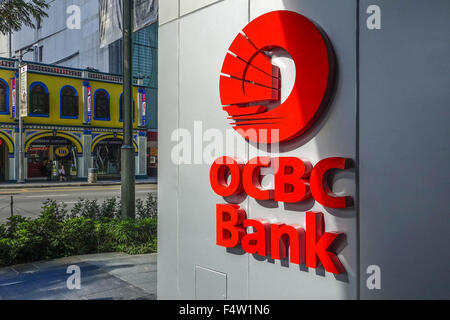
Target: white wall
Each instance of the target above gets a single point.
(389, 113)
(4, 46)
(60, 42)
(193, 41)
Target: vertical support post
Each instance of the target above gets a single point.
(11, 205)
(21, 153)
(127, 152)
(10, 45)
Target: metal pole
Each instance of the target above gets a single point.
(21, 153)
(12, 205)
(127, 155)
(10, 45)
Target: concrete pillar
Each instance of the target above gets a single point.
(16, 154)
(11, 167)
(86, 160)
(141, 160)
(81, 170)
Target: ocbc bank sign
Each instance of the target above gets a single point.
(249, 85)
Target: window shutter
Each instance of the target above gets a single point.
(76, 106)
(47, 103)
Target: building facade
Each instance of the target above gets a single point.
(387, 112)
(59, 40)
(73, 121)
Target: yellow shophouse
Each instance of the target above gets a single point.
(73, 120)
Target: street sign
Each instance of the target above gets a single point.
(13, 98)
(62, 151)
(89, 107)
(23, 87)
(144, 109)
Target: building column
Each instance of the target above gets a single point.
(86, 159)
(12, 167)
(15, 161)
(141, 160)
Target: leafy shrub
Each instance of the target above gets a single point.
(110, 208)
(58, 210)
(86, 208)
(147, 208)
(89, 228)
(78, 236)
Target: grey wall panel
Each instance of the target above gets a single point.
(404, 149)
(168, 10)
(210, 284)
(188, 6)
(204, 39)
(333, 136)
(167, 170)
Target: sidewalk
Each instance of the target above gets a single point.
(104, 276)
(45, 184)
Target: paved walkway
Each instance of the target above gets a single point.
(45, 184)
(105, 276)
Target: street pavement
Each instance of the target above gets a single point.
(27, 201)
(105, 276)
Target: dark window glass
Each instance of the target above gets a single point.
(121, 108)
(39, 103)
(101, 105)
(3, 106)
(41, 53)
(115, 57)
(69, 102)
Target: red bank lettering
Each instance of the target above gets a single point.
(277, 239)
(229, 228)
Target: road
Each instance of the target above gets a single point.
(28, 201)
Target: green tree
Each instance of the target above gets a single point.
(15, 13)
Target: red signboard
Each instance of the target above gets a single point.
(248, 84)
(249, 81)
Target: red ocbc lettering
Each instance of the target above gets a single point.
(295, 179)
(252, 178)
(320, 190)
(218, 175)
(290, 185)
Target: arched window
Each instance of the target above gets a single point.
(4, 92)
(121, 108)
(101, 105)
(69, 102)
(39, 100)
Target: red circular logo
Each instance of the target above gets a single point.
(250, 82)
